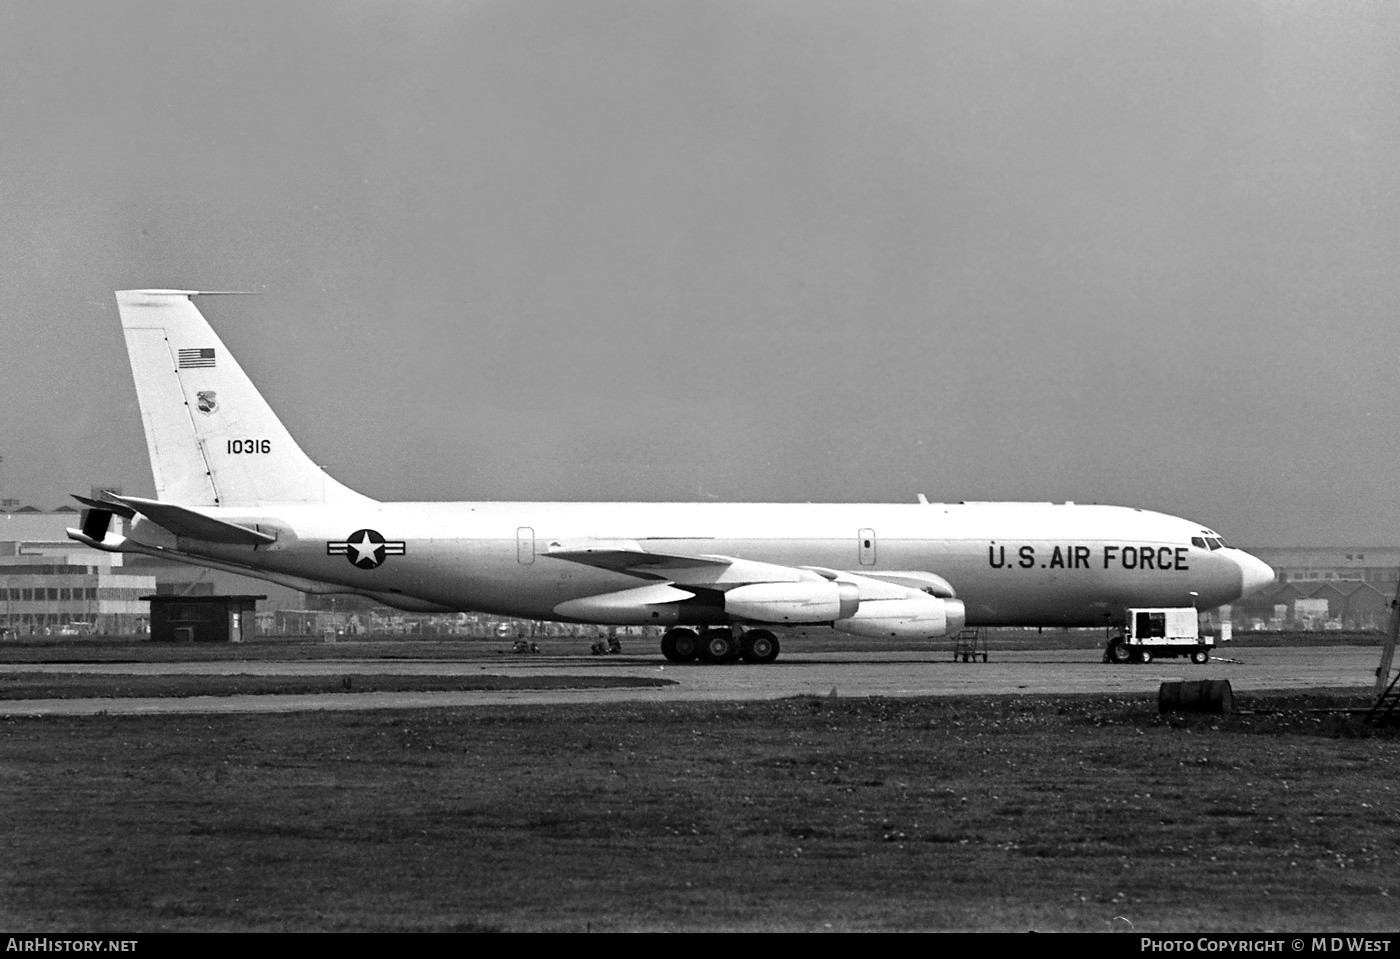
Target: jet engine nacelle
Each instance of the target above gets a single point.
(801, 602)
(926, 617)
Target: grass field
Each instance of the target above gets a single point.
(87, 685)
(1008, 813)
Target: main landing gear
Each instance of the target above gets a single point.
(716, 646)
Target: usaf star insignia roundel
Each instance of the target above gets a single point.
(365, 548)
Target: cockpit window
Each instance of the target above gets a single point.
(1212, 542)
(1198, 542)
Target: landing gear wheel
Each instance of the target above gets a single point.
(1145, 656)
(680, 645)
(1200, 657)
(718, 646)
(1119, 653)
(759, 646)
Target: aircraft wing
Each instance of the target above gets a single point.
(720, 571)
(636, 561)
(681, 569)
(725, 588)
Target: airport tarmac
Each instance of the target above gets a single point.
(1043, 672)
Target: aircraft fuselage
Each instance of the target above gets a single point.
(1012, 564)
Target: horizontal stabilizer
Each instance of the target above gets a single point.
(186, 522)
(111, 506)
(108, 544)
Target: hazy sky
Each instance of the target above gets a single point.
(1143, 253)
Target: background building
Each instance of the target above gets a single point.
(51, 585)
(1323, 587)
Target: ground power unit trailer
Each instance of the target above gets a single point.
(1161, 631)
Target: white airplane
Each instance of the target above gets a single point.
(235, 492)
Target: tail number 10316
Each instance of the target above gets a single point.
(250, 446)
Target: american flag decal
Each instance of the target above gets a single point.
(195, 359)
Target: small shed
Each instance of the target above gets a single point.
(203, 619)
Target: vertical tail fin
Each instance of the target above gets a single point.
(213, 439)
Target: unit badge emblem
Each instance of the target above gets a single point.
(205, 400)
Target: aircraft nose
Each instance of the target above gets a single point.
(1254, 573)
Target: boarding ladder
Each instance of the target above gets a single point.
(968, 644)
(1388, 686)
(1384, 711)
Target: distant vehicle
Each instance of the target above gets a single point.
(75, 629)
(235, 492)
(1167, 631)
